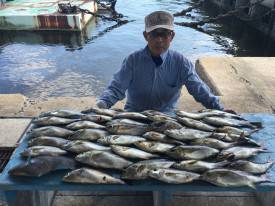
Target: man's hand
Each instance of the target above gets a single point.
(101, 104)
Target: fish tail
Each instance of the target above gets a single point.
(266, 178)
(265, 150)
(253, 131)
(252, 185)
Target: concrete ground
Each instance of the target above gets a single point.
(243, 84)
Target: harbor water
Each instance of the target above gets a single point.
(49, 63)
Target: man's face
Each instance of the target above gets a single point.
(159, 40)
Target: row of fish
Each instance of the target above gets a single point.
(209, 145)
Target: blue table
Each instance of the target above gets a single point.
(52, 182)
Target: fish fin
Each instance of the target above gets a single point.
(266, 178)
(252, 185)
(265, 150)
(179, 142)
(256, 124)
(193, 161)
(245, 140)
(253, 131)
(242, 135)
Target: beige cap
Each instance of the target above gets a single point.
(159, 19)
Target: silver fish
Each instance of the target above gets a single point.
(107, 112)
(139, 170)
(154, 112)
(191, 115)
(51, 120)
(130, 152)
(221, 121)
(38, 166)
(232, 178)
(48, 141)
(90, 176)
(195, 124)
(62, 113)
(50, 131)
(162, 126)
(120, 139)
(157, 116)
(154, 147)
(186, 134)
(239, 152)
(214, 143)
(102, 159)
(219, 113)
(96, 118)
(84, 125)
(250, 167)
(238, 139)
(226, 137)
(192, 152)
(131, 115)
(88, 134)
(237, 131)
(43, 151)
(173, 176)
(126, 126)
(79, 146)
(199, 166)
(156, 136)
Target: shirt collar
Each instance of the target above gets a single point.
(147, 53)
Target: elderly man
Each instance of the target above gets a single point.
(153, 77)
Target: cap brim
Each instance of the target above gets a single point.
(159, 26)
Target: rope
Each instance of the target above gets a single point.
(67, 8)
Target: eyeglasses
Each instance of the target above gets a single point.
(163, 33)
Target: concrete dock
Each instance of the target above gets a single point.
(243, 84)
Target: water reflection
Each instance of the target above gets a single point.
(45, 64)
(70, 39)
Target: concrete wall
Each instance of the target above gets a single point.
(264, 24)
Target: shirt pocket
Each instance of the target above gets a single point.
(168, 91)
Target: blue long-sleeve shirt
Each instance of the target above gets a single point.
(149, 86)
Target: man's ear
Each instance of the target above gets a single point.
(172, 36)
(145, 34)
